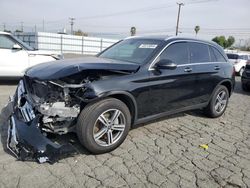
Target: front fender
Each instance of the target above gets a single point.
(91, 96)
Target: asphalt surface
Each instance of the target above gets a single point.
(164, 153)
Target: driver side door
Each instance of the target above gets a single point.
(173, 89)
(12, 61)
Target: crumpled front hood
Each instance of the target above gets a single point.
(62, 68)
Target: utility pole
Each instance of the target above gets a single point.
(21, 26)
(240, 42)
(4, 26)
(71, 24)
(178, 18)
(43, 25)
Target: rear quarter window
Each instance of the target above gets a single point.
(218, 56)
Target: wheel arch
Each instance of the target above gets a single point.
(228, 84)
(125, 97)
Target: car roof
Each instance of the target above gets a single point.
(172, 38)
(155, 37)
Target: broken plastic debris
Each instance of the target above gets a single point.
(204, 146)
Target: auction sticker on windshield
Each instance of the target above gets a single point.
(148, 46)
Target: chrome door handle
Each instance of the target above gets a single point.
(216, 68)
(187, 69)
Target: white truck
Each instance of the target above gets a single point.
(16, 56)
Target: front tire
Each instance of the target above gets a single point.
(104, 125)
(218, 102)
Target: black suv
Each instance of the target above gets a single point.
(135, 80)
(245, 78)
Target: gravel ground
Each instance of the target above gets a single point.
(164, 153)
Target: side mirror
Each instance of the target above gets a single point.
(16, 47)
(165, 64)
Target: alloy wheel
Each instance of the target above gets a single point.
(220, 102)
(109, 127)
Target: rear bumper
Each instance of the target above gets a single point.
(25, 138)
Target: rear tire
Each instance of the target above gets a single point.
(218, 102)
(104, 125)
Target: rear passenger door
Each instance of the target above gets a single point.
(207, 62)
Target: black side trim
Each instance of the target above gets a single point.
(157, 116)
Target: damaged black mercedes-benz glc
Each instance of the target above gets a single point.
(99, 98)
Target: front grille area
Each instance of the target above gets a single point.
(27, 112)
(25, 108)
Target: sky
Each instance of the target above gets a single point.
(114, 18)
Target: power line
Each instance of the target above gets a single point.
(219, 29)
(134, 11)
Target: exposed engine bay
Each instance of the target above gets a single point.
(46, 106)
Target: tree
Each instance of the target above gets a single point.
(18, 31)
(222, 41)
(79, 32)
(7, 31)
(196, 29)
(230, 41)
(133, 31)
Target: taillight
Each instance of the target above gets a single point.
(233, 73)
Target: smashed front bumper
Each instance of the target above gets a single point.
(25, 138)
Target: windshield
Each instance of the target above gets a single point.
(26, 46)
(132, 50)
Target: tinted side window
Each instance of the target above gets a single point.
(244, 57)
(232, 56)
(177, 52)
(6, 42)
(198, 52)
(219, 57)
(212, 55)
